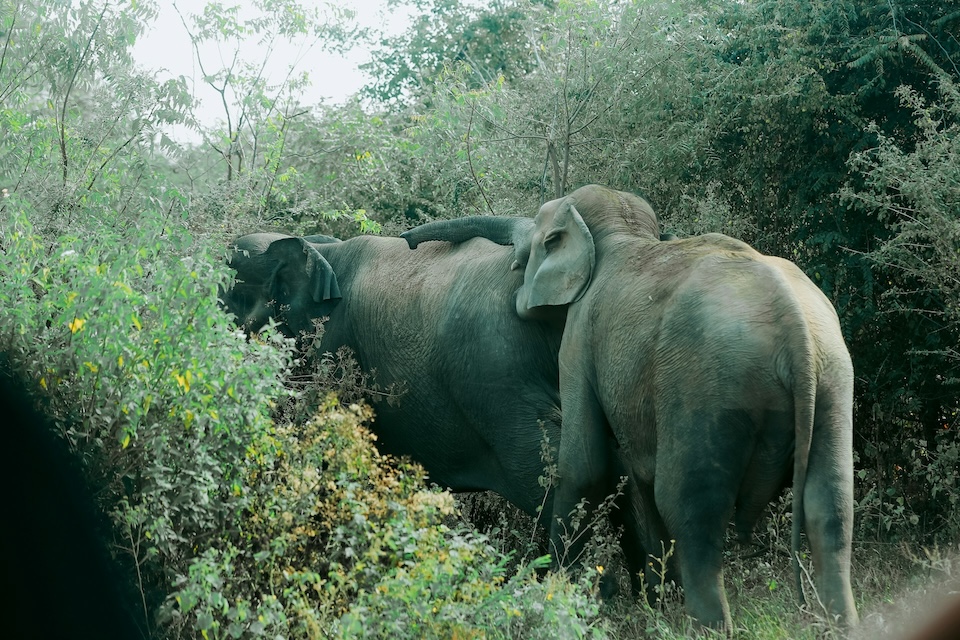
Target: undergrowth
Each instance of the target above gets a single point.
(241, 507)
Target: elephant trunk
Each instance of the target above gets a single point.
(499, 229)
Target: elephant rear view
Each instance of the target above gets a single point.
(713, 368)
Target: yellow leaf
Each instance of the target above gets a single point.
(119, 361)
(136, 321)
(76, 325)
(126, 441)
(43, 383)
(213, 414)
(188, 420)
(93, 368)
(183, 381)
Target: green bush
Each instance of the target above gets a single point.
(913, 188)
(338, 539)
(150, 384)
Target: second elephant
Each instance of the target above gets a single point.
(713, 368)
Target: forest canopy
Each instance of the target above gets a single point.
(822, 132)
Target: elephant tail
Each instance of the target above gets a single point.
(804, 403)
(502, 230)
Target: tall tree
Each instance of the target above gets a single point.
(491, 39)
(80, 120)
(257, 107)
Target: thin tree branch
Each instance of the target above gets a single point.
(66, 97)
(6, 44)
(109, 158)
(473, 108)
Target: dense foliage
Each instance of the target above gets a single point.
(240, 506)
(826, 134)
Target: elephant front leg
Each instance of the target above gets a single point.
(584, 470)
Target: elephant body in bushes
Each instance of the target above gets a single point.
(476, 378)
(715, 369)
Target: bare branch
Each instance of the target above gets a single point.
(62, 124)
(473, 173)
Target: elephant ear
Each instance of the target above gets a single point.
(299, 264)
(562, 259)
(323, 280)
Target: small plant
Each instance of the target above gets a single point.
(662, 585)
(594, 534)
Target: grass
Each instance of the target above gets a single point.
(897, 586)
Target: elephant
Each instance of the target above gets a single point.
(714, 369)
(479, 380)
(439, 322)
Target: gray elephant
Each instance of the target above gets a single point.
(439, 322)
(715, 369)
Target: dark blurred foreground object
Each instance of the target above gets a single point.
(945, 625)
(58, 579)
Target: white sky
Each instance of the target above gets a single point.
(166, 48)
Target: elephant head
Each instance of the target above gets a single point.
(562, 259)
(556, 249)
(281, 277)
(562, 244)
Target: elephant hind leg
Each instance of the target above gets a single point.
(696, 517)
(696, 503)
(828, 498)
(696, 488)
(767, 472)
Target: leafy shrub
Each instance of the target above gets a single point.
(461, 593)
(336, 536)
(148, 382)
(913, 189)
